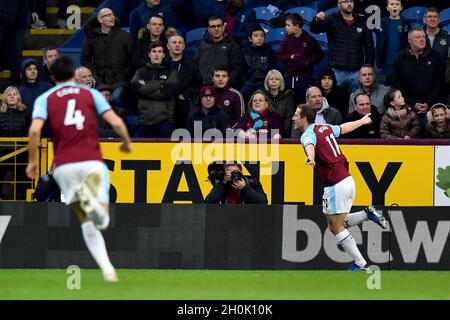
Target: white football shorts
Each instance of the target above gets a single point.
(70, 175)
(339, 198)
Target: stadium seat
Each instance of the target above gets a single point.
(193, 38)
(332, 10)
(306, 13)
(445, 16)
(446, 28)
(322, 39)
(310, 4)
(414, 16)
(274, 37)
(263, 16)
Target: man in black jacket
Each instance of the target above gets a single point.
(230, 186)
(350, 42)
(363, 106)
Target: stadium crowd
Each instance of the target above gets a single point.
(236, 80)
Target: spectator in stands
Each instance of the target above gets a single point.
(299, 52)
(447, 79)
(281, 99)
(13, 114)
(154, 31)
(364, 106)
(260, 120)
(418, 73)
(325, 112)
(438, 125)
(200, 11)
(230, 186)
(84, 75)
(437, 39)
(350, 43)
(188, 79)
(50, 55)
(139, 17)
(107, 52)
(39, 22)
(399, 121)
(259, 58)
(391, 38)
(238, 18)
(368, 84)
(13, 22)
(32, 87)
(104, 128)
(337, 96)
(207, 115)
(218, 50)
(156, 86)
(228, 99)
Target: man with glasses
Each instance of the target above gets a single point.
(106, 51)
(350, 42)
(437, 39)
(218, 49)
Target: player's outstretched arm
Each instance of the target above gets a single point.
(353, 125)
(310, 155)
(119, 126)
(34, 134)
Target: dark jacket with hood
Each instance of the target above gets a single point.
(108, 56)
(419, 80)
(338, 96)
(30, 91)
(349, 46)
(223, 53)
(157, 96)
(214, 119)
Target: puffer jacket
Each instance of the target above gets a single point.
(157, 97)
(13, 123)
(108, 56)
(399, 124)
(349, 46)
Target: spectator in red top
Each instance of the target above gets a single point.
(299, 52)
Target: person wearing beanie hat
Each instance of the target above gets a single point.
(207, 115)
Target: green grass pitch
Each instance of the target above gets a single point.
(225, 285)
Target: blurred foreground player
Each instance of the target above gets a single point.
(319, 142)
(71, 112)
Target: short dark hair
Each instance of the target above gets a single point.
(431, 9)
(255, 28)
(212, 18)
(358, 95)
(45, 50)
(308, 112)
(296, 19)
(156, 44)
(156, 16)
(63, 69)
(401, 2)
(220, 68)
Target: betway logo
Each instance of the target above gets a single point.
(409, 242)
(4, 221)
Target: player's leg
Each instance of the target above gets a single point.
(337, 201)
(95, 243)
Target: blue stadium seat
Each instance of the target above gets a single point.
(322, 39)
(446, 28)
(274, 37)
(310, 4)
(263, 16)
(306, 13)
(332, 10)
(73, 53)
(193, 39)
(445, 16)
(414, 16)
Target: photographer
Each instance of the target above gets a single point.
(230, 186)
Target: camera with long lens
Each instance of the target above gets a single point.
(237, 175)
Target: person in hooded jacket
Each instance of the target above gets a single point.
(32, 87)
(336, 96)
(107, 52)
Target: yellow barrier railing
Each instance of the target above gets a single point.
(14, 184)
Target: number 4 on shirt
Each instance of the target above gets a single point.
(73, 117)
